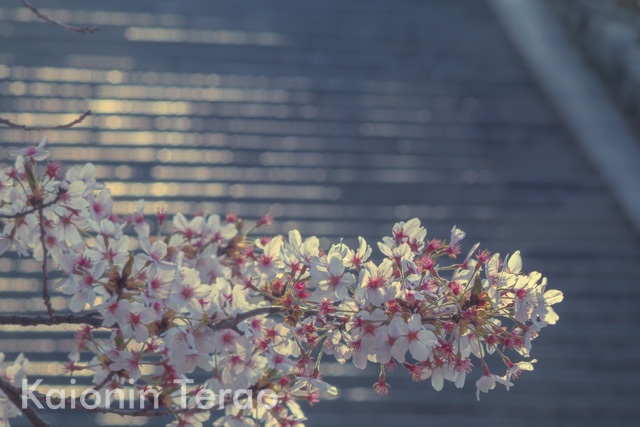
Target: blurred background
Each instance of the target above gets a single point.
(340, 118)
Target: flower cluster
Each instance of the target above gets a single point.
(258, 314)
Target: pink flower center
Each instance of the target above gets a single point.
(97, 208)
(266, 260)
(51, 241)
(227, 338)
(375, 283)
(271, 333)
(399, 235)
(135, 319)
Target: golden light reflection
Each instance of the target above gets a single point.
(180, 35)
(110, 106)
(36, 345)
(16, 284)
(194, 156)
(100, 61)
(38, 329)
(129, 155)
(9, 305)
(27, 265)
(17, 88)
(68, 136)
(87, 17)
(40, 369)
(202, 94)
(374, 92)
(45, 120)
(310, 212)
(207, 190)
(6, 264)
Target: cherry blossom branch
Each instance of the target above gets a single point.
(45, 252)
(233, 323)
(61, 192)
(105, 381)
(93, 319)
(14, 396)
(45, 18)
(13, 125)
(45, 274)
(85, 319)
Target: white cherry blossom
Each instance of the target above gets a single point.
(412, 337)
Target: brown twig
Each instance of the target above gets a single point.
(61, 192)
(104, 382)
(94, 319)
(13, 125)
(59, 24)
(45, 274)
(14, 396)
(19, 320)
(233, 323)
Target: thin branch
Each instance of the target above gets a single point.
(19, 320)
(59, 24)
(233, 323)
(14, 396)
(45, 254)
(105, 381)
(61, 192)
(94, 319)
(64, 126)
